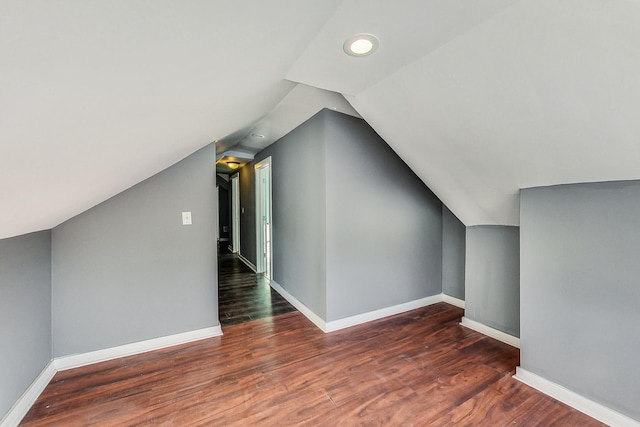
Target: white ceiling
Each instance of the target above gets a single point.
(479, 97)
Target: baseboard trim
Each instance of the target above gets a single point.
(77, 360)
(575, 400)
(491, 332)
(306, 311)
(29, 397)
(248, 263)
(358, 319)
(453, 301)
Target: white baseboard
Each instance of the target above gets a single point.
(248, 263)
(29, 397)
(358, 319)
(306, 311)
(575, 400)
(453, 301)
(83, 359)
(347, 322)
(491, 332)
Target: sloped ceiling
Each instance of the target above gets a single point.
(298, 106)
(479, 97)
(96, 96)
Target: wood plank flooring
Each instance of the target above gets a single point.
(243, 295)
(415, 369)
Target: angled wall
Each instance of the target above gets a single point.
(354, 229)
(25, 313)
(298, 209)
(580, 289)
(384, 226)
(127, 270)
(492, 277)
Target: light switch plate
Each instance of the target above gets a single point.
(186, 218)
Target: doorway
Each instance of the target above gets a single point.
(264, 259)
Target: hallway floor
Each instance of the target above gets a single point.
(244, 295)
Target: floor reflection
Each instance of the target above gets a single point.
(243, 295)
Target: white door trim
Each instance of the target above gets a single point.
(235, 213)
(260, 235)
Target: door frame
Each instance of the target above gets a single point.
(235, 213)
(264, 232)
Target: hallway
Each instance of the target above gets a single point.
(244, 295)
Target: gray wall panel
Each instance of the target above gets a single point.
(298, 189)
(25, 313)
(453, 254)
(224, 211)
(580, 279)
(128, 270)
(492, 277)
(335, 179)
(247, 213)
(384, 226)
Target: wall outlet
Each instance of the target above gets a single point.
(186, 218)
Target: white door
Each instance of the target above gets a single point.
(263, 217)
(235, 214)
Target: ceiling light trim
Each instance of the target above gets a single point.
(363, 44)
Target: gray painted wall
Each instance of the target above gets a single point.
(384, 226)
(224, 211)
(25, 313)
(453, 254)
(247, 212)
(354, 229)
(128, 270)
(580, 289)
(298, 191)
(492, 277)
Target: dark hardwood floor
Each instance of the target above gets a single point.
(243, 295)
(415, 369)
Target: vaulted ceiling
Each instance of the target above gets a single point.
(479, 97)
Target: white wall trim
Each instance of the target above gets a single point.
(453, 301)
(306, 311)
(83, 359)
(491, 332)
(248, 263)
(575, 400)
(29, 397)
(358, 319)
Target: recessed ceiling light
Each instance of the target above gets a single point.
(257, 135)
(361, 45)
